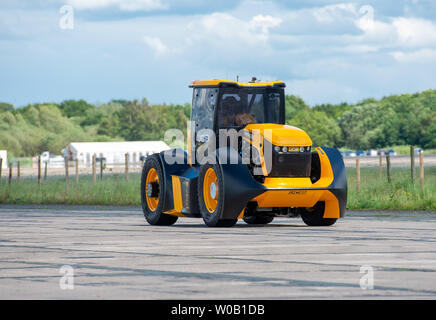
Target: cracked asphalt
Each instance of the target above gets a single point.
(115, 254)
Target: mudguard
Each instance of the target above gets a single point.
(239, 185)
(181, 184)
(339, 185)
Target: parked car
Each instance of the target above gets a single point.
(391, 152)
(360, 153)
(371, 152)
(350, 153)
(418, 151)
(381, 152)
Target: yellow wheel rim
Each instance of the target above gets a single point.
(152, 176)
(210, 190)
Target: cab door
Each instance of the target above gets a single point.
(204, 103)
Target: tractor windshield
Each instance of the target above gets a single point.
(241, 106)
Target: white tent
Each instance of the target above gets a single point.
(4, 156)
(114, 152)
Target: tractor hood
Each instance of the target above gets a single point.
(281, 135)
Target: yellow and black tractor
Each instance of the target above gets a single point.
(243, 162)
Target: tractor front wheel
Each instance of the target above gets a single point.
(314, 216)
(152, 193)
(211, 200)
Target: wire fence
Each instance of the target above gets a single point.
(71, 170)
(97, 168)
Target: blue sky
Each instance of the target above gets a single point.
(326, 51)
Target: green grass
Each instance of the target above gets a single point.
(400, 194)
(112, 190)
(25, 162)
(375, 192)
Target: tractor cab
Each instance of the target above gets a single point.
(224, 104)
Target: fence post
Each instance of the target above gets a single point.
(77, 171)
(412, 162)
(94, 178)
(67, 175)
(101, 168)
(39, 170)
(10, 173)
(1, 166)
(380, 166)
(45, 170)
(421, 169)
(126, 164)
(388, 166)
(357, 175)
(18, 171)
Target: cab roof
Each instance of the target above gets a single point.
(231, 83)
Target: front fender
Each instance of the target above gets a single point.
(239, 185)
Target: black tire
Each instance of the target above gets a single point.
(258, 220)
(155, 217)
(212, 219)
(314, 216)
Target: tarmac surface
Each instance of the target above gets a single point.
(112, 253)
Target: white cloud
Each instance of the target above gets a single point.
(332, 13)
(124, 5)
(418, 56)
(223, 34)
(399, 32)
(261, 23)
(415, 32)
(156, 45)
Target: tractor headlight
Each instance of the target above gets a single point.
(277, 149)
(301, 149)
(285, 149)
(307, 149)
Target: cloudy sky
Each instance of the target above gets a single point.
(326, 51)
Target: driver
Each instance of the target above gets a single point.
(242, 119)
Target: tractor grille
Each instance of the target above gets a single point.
(291, 164)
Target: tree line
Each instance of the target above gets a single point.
(392, 120)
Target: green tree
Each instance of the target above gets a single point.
(333, 110)
(323, 130)
(6, 107)
(72, 108)
(293, 105)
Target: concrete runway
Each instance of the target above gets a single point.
(115, 254)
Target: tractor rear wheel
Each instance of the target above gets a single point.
(210, 196)
(152, 193)
(314, 216)
(258, 220)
